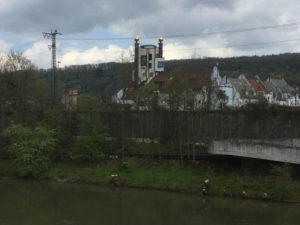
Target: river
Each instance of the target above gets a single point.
(27, 202)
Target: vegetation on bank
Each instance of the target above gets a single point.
(171, 176)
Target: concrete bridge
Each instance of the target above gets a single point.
(281, 150)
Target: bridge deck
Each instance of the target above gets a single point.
(282, 150)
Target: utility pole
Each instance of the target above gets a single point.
(52, 47)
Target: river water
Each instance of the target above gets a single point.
(43, 202)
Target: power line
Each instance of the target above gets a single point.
(204, 48)
(174, 49)
(185, 35)
(236, 45)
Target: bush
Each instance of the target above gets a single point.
(89, 148)
(281, 172)
(31, 149)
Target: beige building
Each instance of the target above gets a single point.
(148, 61)
(70, 99)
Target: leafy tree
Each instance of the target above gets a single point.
(22, 89)
(31, 148)
(88, 145)
(178, 85)
(147, 96)
(222, 98)
(88, 103)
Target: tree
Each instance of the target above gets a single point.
(88, 103)
(222, 98)
(88, 144)
(31, 148)
(22, 89)
(15, 61)
(147, 96)
(178, 85)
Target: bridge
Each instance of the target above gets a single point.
(281, 150)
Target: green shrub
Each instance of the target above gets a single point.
(128, 165)
(281, 172)
(85, 149)
(31, 149)
(89, 148)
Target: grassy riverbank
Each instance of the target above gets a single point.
(169, 175)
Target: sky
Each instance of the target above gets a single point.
(97, 31)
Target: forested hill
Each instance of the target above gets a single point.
(102, 80)
(284, 65)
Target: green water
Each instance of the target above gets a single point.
(42, 203)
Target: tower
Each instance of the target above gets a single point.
(52, 35)
(148, 62)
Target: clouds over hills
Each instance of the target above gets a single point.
(159, 17)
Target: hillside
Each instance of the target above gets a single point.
(102, 80)
(285, 65)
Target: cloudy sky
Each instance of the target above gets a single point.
(97, 31)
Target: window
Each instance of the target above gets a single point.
(150, 56)
(143, 60)
(149, 65)
(160, 64)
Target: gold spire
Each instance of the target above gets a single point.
(160, 39)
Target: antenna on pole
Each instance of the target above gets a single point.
(52, 47)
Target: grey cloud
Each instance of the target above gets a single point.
(156, 17)
(239, 15)
(221, 4)
(82, 15)
(71, 15)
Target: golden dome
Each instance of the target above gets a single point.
(160, 39)
(136, 38)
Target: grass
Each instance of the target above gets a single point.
(169, 175)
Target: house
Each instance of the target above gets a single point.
(70, 98)
(258, 86)
(280, 92)
(192, 98)
(238, 90)
(283, 91)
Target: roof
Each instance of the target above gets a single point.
(128, 94)
(196, 80)
(241, 87)
(215, 76)
(163, 80)
(282, 85)
(256, 84)
(270, 87)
